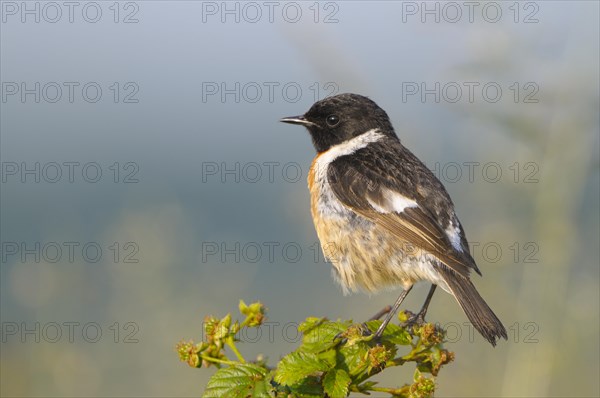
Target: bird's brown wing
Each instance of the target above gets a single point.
(392, 203)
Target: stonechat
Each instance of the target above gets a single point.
(382, 217)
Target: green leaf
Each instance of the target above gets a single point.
(336, 383)
(311, 323)
(238, 381)
(392, 333)
(354, 357)
(310, 387)
(329, 356)
(298, 365)
(321, 336)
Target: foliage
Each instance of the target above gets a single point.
(334, 359)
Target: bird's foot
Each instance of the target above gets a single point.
(413, 319)
(356, 333)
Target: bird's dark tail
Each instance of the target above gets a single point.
(479, 313)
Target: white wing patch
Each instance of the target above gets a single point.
(453, 233)
(392, 202)
(400, 202)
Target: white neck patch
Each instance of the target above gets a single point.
(327, 202)
(347, 148)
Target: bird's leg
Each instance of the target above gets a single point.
(390, 311)
(365, 329)
(420, 317)
(390, 314)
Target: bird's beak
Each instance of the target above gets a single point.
(296, 120)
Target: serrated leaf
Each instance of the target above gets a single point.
(354, 357)
(238, 381)
(310, 387)
(392, 333)
(310, 323)
(321, 336)
(329, 356)
(336, 383)
(298, 365)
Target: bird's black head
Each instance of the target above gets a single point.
(340, 118)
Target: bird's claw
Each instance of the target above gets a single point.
(355, 333)
(414, 319)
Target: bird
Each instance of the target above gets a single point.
(382, 217)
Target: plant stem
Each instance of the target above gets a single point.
(396, 362)
(392, 391)
(217, 360)
(235, 351)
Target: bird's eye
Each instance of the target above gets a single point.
(332, 120)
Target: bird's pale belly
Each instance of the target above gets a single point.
(364, 255)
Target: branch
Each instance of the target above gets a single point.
(334, 359)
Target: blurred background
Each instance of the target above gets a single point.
(147, 182)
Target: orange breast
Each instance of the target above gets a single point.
(312, 186)
(363, 254)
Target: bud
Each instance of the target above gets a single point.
(255, 313)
